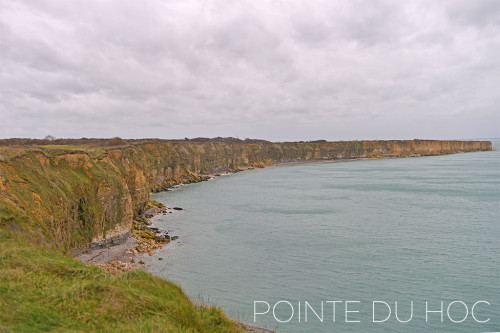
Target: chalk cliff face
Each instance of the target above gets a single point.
(70, 196)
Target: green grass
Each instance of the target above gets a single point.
(62, 147)
(41, 290)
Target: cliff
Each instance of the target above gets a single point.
(71, 193)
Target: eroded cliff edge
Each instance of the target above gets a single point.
(71, 194)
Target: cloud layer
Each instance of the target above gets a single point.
(278, 70)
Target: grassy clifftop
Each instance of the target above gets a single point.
(42, 291)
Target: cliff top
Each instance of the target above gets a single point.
(112, 142)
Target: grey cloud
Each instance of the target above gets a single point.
(273, 70)
(475, 12)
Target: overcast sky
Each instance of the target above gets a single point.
(276, 70)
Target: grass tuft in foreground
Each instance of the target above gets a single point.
(41, 290)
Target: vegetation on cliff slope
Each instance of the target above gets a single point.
(42, 290)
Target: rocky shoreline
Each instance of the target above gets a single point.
(120, 253)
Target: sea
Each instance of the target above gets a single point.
(385, 245)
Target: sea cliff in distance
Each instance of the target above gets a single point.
(74, 192)
(61, 195)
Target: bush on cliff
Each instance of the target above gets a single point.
(116, 142)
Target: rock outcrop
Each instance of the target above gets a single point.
(69, 196)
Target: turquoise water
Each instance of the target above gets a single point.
(413, 229)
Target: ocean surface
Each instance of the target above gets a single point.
(419, 230)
